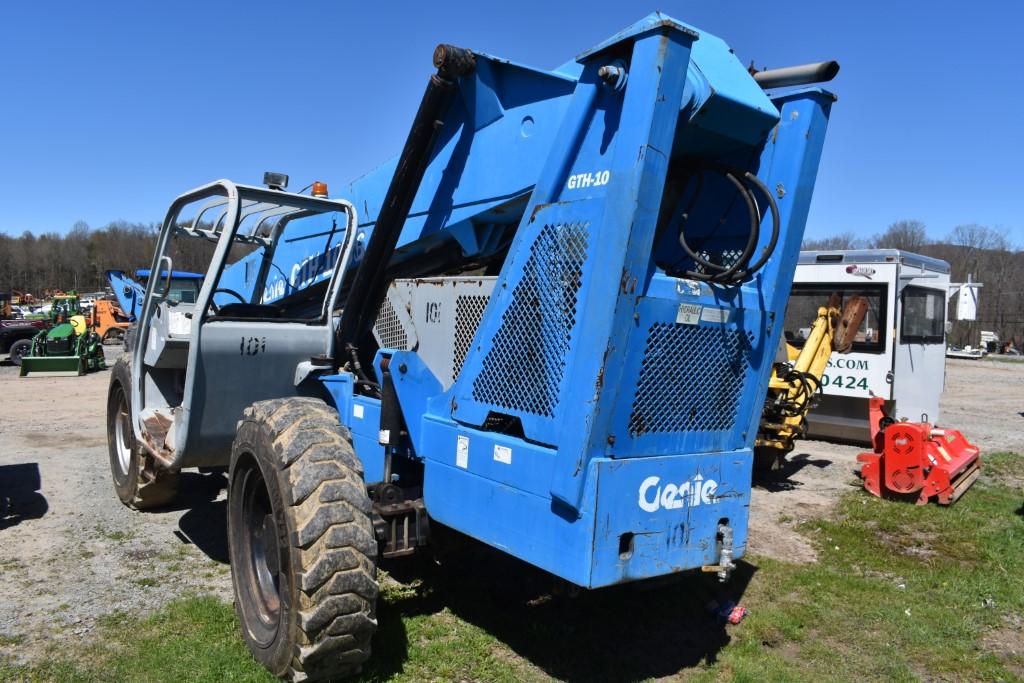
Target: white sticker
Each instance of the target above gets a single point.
(357, 411)
(691, 287)
(503, 454)
(688, 314)
(384, 437)
(462, 452)
(715, 315)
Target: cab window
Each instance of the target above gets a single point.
(183, 290)
(288, 279)
(924, 316)
(806, 299)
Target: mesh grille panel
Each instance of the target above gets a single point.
(469, 310)
(390, 333)
(724, 258)
(523, 368)
(691, 379)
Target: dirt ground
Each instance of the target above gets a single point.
(983, 399)
(72, 553)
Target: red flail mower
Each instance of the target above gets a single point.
(917, 458)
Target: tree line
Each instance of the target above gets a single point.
(982, 252)
(78, 260)
(42, 264)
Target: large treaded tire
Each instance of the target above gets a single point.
(138, 483)
(19, 350)
(307, 607)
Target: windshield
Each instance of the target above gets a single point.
(289, 275)
(805, 300)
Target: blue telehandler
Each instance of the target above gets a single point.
(549, 325)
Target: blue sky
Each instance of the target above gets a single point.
(110, 109)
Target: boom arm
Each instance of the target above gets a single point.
(794, 385)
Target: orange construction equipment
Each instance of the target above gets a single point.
(917, 458)
(108, 321)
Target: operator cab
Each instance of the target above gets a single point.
(269, 256)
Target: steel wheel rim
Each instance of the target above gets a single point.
(261, 555)
(21, 349)
(123, 427)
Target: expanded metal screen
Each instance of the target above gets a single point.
(691, 379)
(390, 333)
(469, 310)
(523, 369)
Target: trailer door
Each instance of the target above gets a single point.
(920, 354)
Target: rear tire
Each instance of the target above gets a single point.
(303, 551)
(19, 350)
(138, 483)
(114, 335)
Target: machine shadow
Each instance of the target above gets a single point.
(782, 479)
(205, 521)
(619, 634)
(20, 498)
(622, 634)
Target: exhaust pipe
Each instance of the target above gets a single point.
(805, 74)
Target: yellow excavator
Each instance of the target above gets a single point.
(796, 381)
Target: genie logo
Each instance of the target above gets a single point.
(861, 271)
(694, 492)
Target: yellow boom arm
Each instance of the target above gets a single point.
(795, 385)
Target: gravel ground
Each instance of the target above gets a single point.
(72, 553)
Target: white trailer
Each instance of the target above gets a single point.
(899, 353)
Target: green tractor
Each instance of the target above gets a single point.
(68, 345)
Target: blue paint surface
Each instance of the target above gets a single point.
(602, 424)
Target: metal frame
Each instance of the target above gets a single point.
(238, 202)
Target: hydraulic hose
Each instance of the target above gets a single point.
(807, 386)
(726, 273)
(746, 183)
(774, 209)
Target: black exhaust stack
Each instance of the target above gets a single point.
(805, 74)
(369, 286)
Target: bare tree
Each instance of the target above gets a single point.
(909, 235)
(974, 236)
(844, 240)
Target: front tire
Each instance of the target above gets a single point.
(138, 483)
(303, 552)
(19, 350)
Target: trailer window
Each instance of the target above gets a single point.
(806, 299)
(924, 316)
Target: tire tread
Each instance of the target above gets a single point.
(333, 549)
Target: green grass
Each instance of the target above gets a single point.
(116, 535)
(900, 592)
